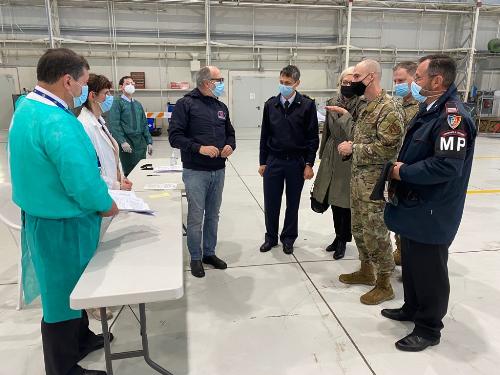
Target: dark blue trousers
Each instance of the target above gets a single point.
(278, 174)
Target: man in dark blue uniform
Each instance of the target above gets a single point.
(433, 170)
(288, 143)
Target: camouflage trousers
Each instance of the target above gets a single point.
(368, 228)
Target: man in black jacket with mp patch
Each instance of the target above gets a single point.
(433, 171)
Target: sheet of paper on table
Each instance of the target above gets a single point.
(168, 168)
(129, 202)
(167, 186)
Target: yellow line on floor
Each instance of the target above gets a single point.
(493, 191)
(486, 157)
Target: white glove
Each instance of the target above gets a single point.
(150, 149)
(126, 147)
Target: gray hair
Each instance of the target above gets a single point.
(203, 75)
(291, 71)
(347, 72)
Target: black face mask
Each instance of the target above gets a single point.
(358, 88)
(347, 91)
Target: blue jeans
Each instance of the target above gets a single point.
(204, 195)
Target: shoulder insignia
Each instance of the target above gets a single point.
(454, 120)
(451, 108)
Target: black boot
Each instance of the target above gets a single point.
(214, 261)
(197, 268)
(333, 245)
(339, 250)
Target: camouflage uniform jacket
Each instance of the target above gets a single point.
(378, 132)
(410, 109)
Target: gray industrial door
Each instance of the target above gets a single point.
(249, 93)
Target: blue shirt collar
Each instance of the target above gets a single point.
(124, 97)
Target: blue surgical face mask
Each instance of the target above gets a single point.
(286, 91)
(219, 89)
(415, 92)
(79, 100)
(401, 89)
(107, 103)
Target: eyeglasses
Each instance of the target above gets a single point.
(220, 80)
(419, 78)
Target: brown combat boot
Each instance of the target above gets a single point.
(364, 276)
(397, 253)
(382, 291)
(397, 256)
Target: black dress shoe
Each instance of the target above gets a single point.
(214, 261)
(415, 343)
(96, 342)
(396, 314)
(287, 249)
(197, 268)
(339, 250)
(266, 246)
(77, 370)
(333, 245)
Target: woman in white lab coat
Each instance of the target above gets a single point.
(99, 101)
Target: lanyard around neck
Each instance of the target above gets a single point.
(51, 99)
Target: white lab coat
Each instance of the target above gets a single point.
(105, 146)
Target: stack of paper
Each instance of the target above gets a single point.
(169, 168)
(129, 202)
(167, 186)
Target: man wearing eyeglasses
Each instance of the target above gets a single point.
(433, 171)
(201, 129)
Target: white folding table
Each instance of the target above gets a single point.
(141, 177)
(139, 261)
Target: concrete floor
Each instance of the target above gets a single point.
(273, 314)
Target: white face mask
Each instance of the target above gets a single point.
(129, 89)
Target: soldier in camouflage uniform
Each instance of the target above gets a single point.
(377, 138)
(403, 75)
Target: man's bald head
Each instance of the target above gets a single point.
(369, 66)
(366, 78)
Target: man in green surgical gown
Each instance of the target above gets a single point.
(129, 126)
(57, 184)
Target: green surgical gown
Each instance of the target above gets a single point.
(128, 123)
(57, 184)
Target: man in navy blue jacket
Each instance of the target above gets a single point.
(289, 140)
(201, 129)
(433, 170)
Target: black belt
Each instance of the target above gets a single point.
(287, 155)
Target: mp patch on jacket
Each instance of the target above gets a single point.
(221, 115)
(452, 143)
